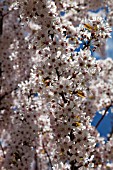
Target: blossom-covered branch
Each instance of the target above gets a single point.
(51, 84)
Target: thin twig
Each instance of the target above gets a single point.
(107, 108)
(48, 156)
(2, 150)
(57, 72)
(35, 158)
(86, 45)
(63, 97)
(1, 22)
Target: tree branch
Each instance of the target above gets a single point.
(2, 150)
(35, 158)
(63, 97)
(107, 108)
(57, 72)
(1, 22)
(48, 156)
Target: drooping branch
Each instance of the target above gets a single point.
(48, 157)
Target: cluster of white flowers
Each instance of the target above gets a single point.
(102, 87)
(50, 91)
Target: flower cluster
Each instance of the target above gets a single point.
(102, 87)
(50, 91)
